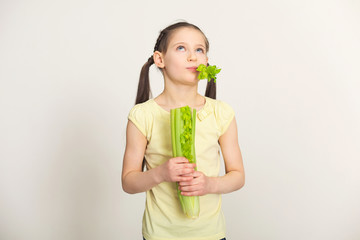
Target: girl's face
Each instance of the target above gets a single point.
(186, 51)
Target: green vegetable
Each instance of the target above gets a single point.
(208, 72)
(183, 145)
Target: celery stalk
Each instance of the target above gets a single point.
(183, 145)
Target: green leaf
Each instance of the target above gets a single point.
(208, 72)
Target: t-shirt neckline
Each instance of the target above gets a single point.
(168, 112)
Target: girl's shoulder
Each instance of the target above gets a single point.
(220, 110)
(142, 115)
(144, 107)
(147, 111)
(217, 106)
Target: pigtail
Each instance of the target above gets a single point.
(210, 88)
(144, 91)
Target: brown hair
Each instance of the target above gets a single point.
(144, 91)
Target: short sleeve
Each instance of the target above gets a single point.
(224, 116)
(137, 115)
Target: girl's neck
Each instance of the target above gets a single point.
(179, 97)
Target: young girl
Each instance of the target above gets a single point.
(179, 50)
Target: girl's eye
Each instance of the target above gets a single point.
(180, 48)
(200, 50)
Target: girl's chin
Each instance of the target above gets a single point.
(191, 82)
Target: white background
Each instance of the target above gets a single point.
(69, 73)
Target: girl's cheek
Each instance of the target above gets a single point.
(202, 56)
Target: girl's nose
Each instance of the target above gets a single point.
(192, 56)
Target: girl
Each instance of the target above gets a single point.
(179, 50)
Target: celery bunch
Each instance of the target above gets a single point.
(208, 72)
(183, 145)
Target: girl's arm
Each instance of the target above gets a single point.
(234, 178)
(134, 180)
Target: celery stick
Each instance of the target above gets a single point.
(183, 145)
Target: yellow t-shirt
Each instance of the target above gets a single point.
(163, 217)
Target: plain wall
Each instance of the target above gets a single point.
(68, 78)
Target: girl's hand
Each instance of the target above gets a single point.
(198, 186)
(177, 169)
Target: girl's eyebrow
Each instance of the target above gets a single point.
(199, 44)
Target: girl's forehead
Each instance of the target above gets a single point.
(187, 34)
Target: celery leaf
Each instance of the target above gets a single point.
(208, 72)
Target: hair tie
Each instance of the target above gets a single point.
(151, 59)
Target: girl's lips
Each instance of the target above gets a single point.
(193, 69)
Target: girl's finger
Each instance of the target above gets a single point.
(189, 165)
(186, 172)
(184, 179)
(193, 193)
(181, 160)
(187, 183)
(197, 174)
(186, 166)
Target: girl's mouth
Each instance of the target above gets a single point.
(192, 69)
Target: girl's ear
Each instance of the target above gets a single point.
(158, 59)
